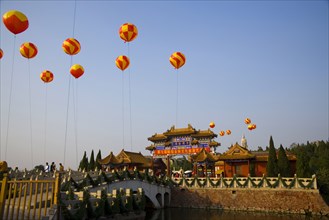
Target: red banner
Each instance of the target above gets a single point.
(179, 151)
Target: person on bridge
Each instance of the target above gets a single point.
(47, 167)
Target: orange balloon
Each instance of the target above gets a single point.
(128, 32)
(177, 59)
(222, 133)
(247, 121)
(47, 76)
(250, 127)
(212, 124)
(77, 70)
(28, 50)
(122, 62)
(15, 21)
(71, 46)
(228, 132)
(253, 126)
(1, 53)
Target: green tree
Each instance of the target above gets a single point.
(92, 165)
(272, 166)
(283, 163)
(84, 162)
(98, 157)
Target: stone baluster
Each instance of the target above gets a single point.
(315, 184)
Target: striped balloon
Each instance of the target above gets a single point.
(128, 32)
(28, 50)
(47, 76)
(228, 132)
(247, 121)
(71, 46)
(15, 21)
(1, 53)
(177, 59)
(222, 133)
(77, 70)
(122, 62)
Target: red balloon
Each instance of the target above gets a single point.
(28, 50)
(122, 62)
(47, 76)
(77, 70)
(15, 21)
(1, 54)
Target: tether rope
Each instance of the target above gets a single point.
(10, 95)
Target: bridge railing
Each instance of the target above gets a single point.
(248, 182)
(28, 199)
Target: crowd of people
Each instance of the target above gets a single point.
(52, 167)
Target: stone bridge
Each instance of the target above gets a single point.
(159, 195)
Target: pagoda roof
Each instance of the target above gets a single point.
(237, 152)
(132, 157)
(179, 131)
(214, 144)
(158, 137)
(203, 155)
(151, 147)
(204, 133)
(110, 159)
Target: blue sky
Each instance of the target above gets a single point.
(266, 60)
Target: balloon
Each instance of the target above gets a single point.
(250, 127)
(122, 62)
(128, 32)
(177, 59)
(28, 50)
(228, 132)
(222, 133)
(47, 76)
(247, 121)
(212, 124)
(77, 70)
(71, 46)
(253, 126)
(1, 54)
(15, 21)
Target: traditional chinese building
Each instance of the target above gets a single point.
(126, 159)
(240, 161)
(181, 141)
(204, 163)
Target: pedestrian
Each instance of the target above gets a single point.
(61, 167)
(52, 167)
(47, 167)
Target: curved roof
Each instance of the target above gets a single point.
(203, 156)
(110, 159)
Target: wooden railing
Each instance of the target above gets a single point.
(28, 199)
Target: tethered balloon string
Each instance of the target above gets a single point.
(123, 111)
(45, 133)
(129, 90)
(10, 97)
(177, 97)
(30, 108)
(68, 97)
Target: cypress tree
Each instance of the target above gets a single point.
(83, 165)
(283, 163)
(98, 157)
(92, 164)
(272, 166)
